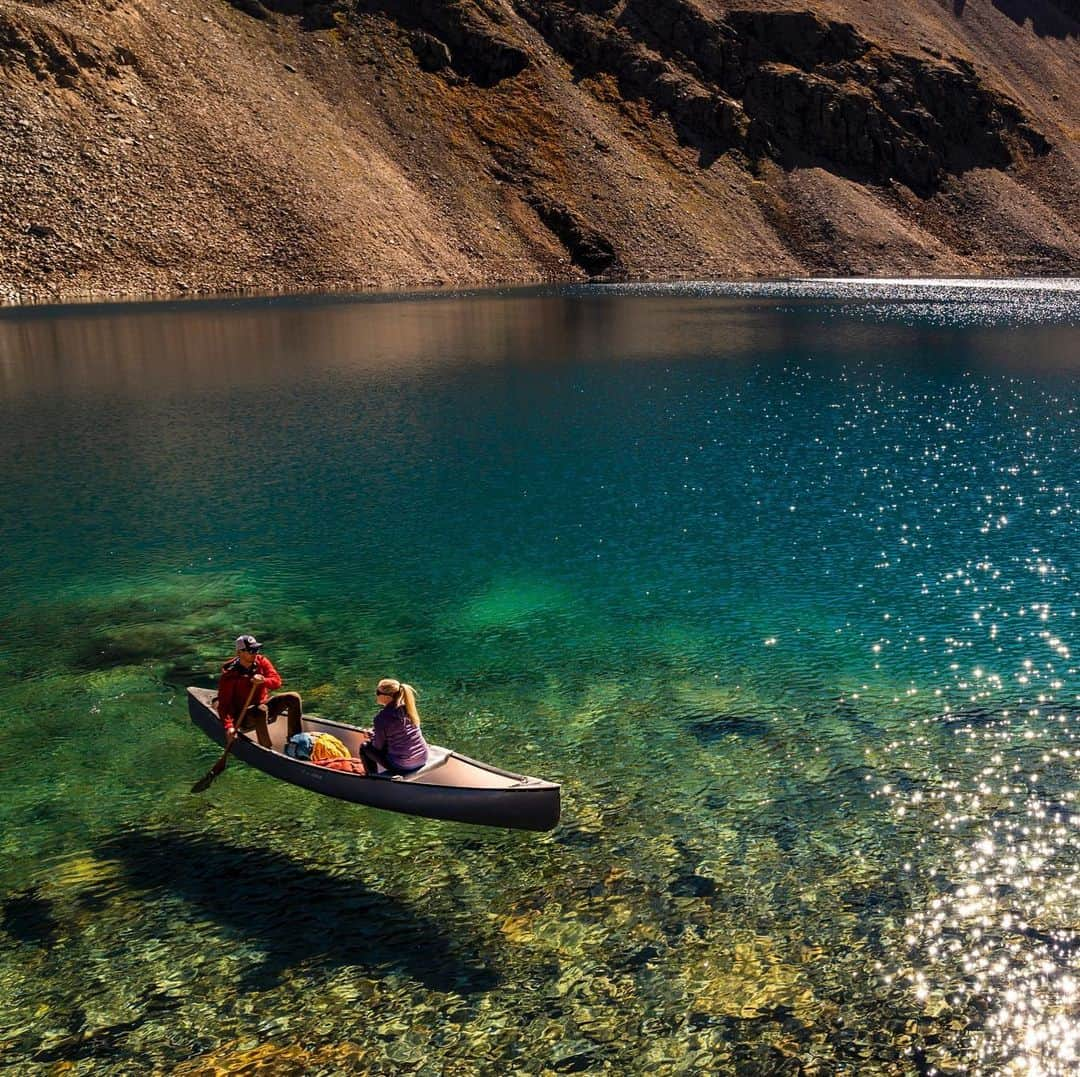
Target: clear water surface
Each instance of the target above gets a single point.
(779, 581)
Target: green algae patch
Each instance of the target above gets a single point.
(512, 604)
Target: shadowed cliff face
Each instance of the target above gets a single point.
(793, 87)
(471, 36)
(340, 143)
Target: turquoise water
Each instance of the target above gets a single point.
(778, 581)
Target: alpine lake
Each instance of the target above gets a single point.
(778, 580)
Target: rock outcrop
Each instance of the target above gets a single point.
(57, 53)
(152, 147)
(794, 87)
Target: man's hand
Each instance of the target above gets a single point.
(258, 679)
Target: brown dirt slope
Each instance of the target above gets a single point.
(165, 146)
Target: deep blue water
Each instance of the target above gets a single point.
(779, 581)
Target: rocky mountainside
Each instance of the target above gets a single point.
(178, 146)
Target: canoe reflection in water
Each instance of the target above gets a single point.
(295, 914)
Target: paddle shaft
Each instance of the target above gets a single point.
(219, 766)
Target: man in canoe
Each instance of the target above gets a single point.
(251, 676)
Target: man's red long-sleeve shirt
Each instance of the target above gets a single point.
(235, 684)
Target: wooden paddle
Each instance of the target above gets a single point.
(207, 779)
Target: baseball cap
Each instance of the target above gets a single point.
(247, 643)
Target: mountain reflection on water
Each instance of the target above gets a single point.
(778, 580)
(233, 343)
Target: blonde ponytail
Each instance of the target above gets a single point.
(408, 695)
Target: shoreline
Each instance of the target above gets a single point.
(227, 149)
(83, 301)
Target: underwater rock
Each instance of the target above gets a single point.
(290, 1061)
(28, 917)
(99, 1043)
(718, 726)
(576, 837)
(189, 670)
(975, 717)
(127, 645)
(640, 957)
(750, 981)
(693, 886)
(83, 872)
(519, 929)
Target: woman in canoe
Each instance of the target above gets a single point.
(396, 743)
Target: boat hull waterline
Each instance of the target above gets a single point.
(451, 786)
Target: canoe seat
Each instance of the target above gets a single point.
(435, 758)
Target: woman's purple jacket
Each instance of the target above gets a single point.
(403, 742)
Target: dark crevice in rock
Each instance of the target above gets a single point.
(314, 14)
(430, 51)
(480, 45)
(510, 164)
(800, 38)
(470, 36)
(588, 249)
(251, 7)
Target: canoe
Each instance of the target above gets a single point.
(449, 786)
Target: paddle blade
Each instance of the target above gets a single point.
(204, 782)
(207, 779)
